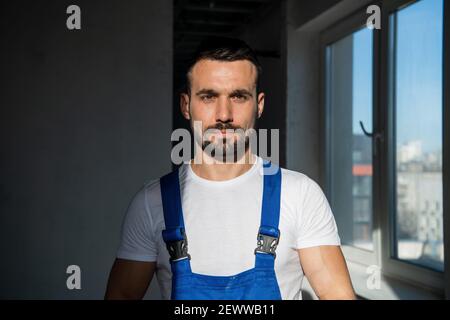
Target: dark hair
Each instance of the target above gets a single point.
(223, 49)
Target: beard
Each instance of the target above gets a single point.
(229, 147)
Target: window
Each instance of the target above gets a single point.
(384, 142)
(349, 70)
(418, 105)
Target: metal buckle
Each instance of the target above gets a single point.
(178, 250)
(267, 244)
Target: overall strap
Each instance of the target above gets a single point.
(269, 234)
(174, 235)
(270, 214)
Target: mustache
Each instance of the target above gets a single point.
(224, 126)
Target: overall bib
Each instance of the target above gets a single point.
(258, 283)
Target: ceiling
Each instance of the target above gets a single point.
(197, 19)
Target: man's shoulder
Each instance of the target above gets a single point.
(298, 183)
(152, 189)
(150, 192)
(296, 177)
(151, 185)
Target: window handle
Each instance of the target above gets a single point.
(377, 137)
(370, 135)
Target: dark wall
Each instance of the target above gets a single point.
(264, 35)
(303, 11)
(86, 117)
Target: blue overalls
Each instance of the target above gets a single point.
(258, 283)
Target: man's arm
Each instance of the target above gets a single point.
(129, 279)
(327, 273)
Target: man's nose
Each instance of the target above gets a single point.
(224, 110)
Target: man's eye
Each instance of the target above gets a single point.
(240, 97)
(207, 98)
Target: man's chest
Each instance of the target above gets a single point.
(222, 238)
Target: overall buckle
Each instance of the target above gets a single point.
(267, 240)
(178, 249)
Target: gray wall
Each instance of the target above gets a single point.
(86, 118)
(302, 56)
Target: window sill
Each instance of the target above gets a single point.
(389, 288)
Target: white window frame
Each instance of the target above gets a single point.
(399, 278)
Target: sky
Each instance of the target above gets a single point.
(419, 64)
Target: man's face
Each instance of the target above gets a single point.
(223, 96)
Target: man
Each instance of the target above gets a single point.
(198, 226)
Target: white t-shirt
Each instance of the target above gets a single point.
(222, 219)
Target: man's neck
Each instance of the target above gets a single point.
(218, 171)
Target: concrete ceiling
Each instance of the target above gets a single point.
(197, 19)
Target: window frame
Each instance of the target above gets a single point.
(383, 123)
(340, 30)
(393, 267)
(446, 146)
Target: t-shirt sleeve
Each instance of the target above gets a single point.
(316, 225)
(137, 238)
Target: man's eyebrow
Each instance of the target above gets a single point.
(243, 92)
(207, 91)
(236, 92)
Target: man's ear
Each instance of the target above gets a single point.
(184, 106)
(260, 106)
